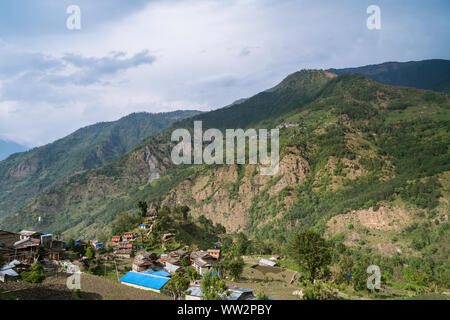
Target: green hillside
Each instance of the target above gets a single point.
(368, 166)
(24, 175)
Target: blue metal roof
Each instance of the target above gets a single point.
(142, 225)
(160, 273)
(145, 280)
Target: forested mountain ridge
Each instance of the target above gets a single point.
(24, 175)
(360, 147)
(427, 74)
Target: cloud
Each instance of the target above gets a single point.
(164, 55)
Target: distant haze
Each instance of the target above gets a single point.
(8, 147)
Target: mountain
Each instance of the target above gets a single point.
(368, 166)
(360, 147)
(426, 74)
(24, 175)
(9, 147)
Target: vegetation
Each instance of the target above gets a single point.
(177, 285)
(312, 254)
(213, 288)
(35, 275)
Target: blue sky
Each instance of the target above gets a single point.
(163, 55)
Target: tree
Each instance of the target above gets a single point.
(233, 265)
(90, 253)
(101, 237)
(213, 288)
(35, 275)
(192, 273)
(184, 211)
(57, 234)
(242, 244)
(143, 207)
(177, 285)
(312, 253)
(124, 222)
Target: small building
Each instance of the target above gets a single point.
(167, 237)
(25, 234)
(265, 262)
(28, 244)
(144, 281)
(233, 293)
(172, 268)
(144, 226)
(115, 240)
(160, 273)
(124, 253)
(202, 262)
(176, 257)
(128, 236)
(98, 245)
(7, 273)
(215, 253)
(7, 239)
(144, 261)
(275, 257)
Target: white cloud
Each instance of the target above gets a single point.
(192, 54)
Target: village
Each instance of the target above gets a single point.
(176, 274)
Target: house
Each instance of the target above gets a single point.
(233, 293)
(28, 245)
(167, 237)
(265, 262)
(151, 214)
(125, 245)
(144, 226)
(128, 236)
(115, 240)
(215, 253)
(98, 245)
(176, 257)
(144, 281)
(172, 268)
(25, 234)
(7, 239)
(7, 273)
(144, 261)
(123, 253)
(160, 273)
(202, 262)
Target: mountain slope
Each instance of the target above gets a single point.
(426, 74)
(24, 175)
(359, 145)
(8, 147)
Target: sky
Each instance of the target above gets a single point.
(165, 55)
